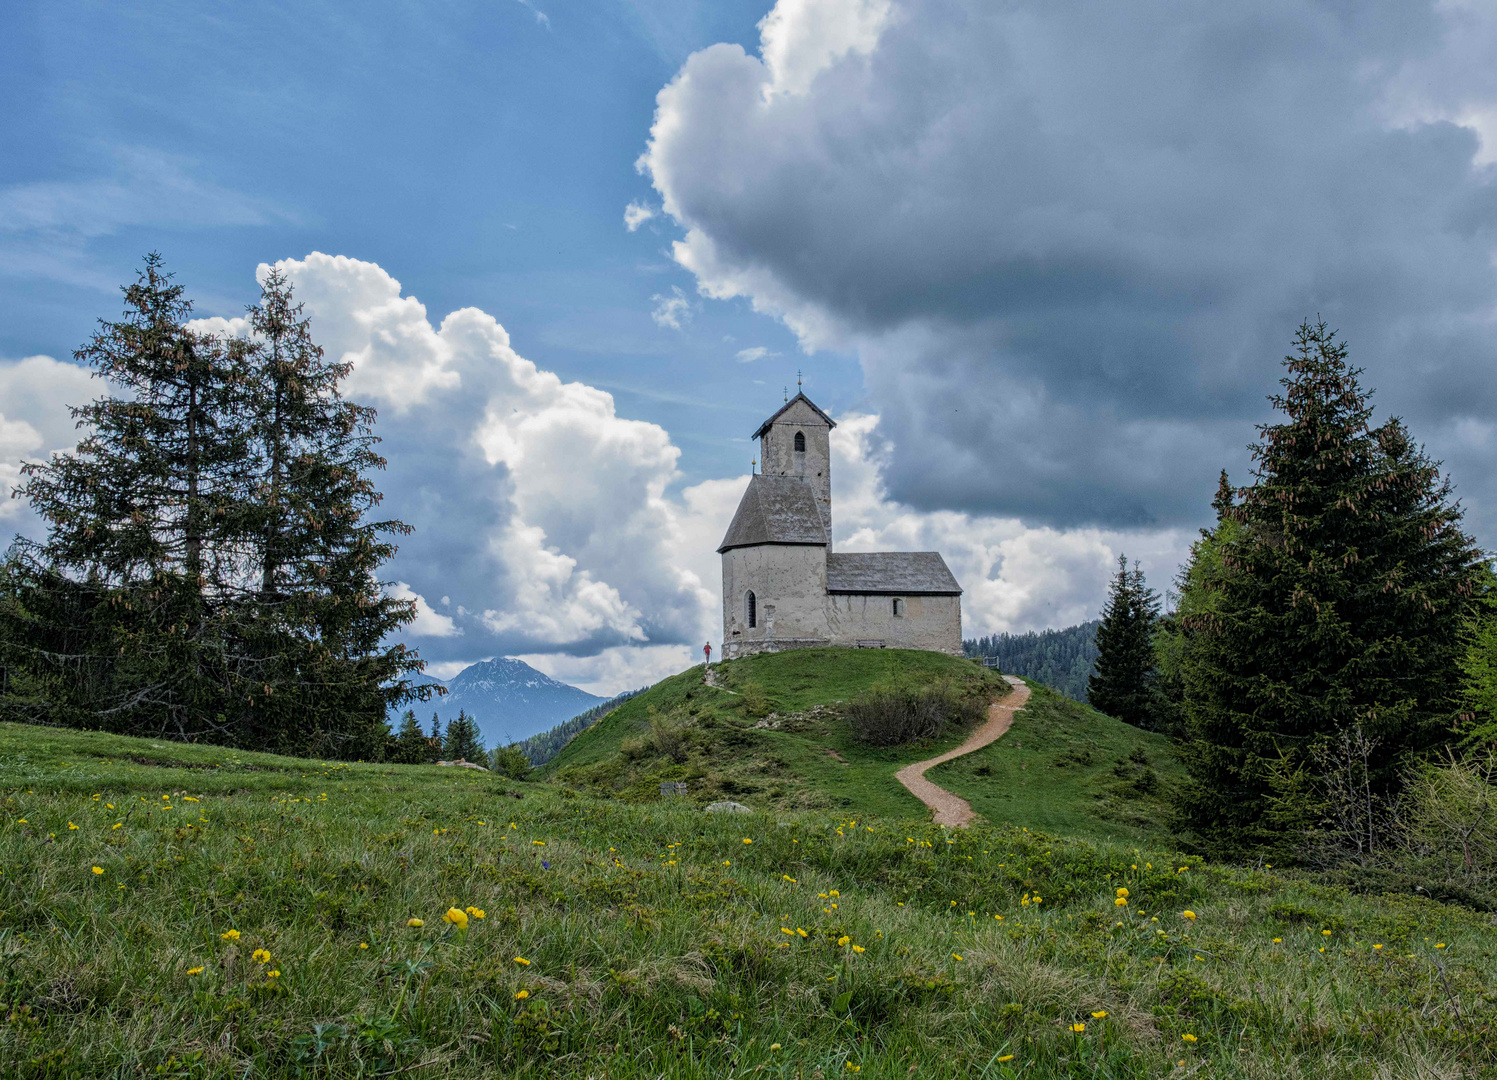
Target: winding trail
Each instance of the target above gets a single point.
(952, 809)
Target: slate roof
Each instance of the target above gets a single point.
(830, 423)
(775, 510)
(890, 572)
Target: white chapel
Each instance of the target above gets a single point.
(784, 587)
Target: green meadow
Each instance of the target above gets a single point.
(191, 911)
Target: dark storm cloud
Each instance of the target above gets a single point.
(1070, 242)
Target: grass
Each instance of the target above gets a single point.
(660, 943)
(1068, 769)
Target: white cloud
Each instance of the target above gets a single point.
(636, 214)
(540, 16)
(427, 623)
(34, 422)
(671, 310)
(756, 352)
(802, 38)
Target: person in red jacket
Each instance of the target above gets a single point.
(707, 651)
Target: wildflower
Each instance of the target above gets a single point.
(1377, 946)
(546, 866)
(854, 1068)
(801, 932)
(858, 949)
(260, 956)
(1125, 892)
(522, 995)
(836, 893)
(1191, 915)
(538, 843)
(787, 930)
(1278, 941)
(230, 935)
(1202, 959)
(1188, 1037)
(195, 971)
(522, 961)
(844, 940)
(1441, 945)
(1006, 1057)
(1121, 901)
(1078, 1027)
(1099, 1014)
(97, 869)
(116, 825)
(774, 1046)
(787, 877)
(746, 840)
(727, 863)
(956, 956)
(415, 923)
(456, 917)
(1325, 933)
(363, 944)
(272, 974)
(71, 825)
(1039, 899)
(476, 912)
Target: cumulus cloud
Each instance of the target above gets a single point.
(34, 423)
(671, 309)
(636, 214)
(427, 623)
(1070, 242)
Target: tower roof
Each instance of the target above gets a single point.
(775, 510)
(830, 423)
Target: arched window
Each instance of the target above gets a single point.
(898, 608)
(800, 442)
(750, 611)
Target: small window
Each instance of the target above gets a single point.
(800, 442)
(898, 608)
(750, 611)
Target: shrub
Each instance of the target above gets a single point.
(892, 717)
(668, 735)
(510, 761)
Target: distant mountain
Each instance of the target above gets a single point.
(1062, 659)
(509, 699)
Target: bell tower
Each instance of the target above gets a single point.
(796, 442)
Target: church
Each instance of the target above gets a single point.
(783, 585)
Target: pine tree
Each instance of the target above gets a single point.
(114, 620)
(1339, 605)
(464, 742)
(410, 744)
(321, 612)
(1123, 683)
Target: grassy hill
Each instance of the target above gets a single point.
(139, 880)
(772, 735)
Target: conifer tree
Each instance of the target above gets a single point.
(464, 742)
(1338, 611)
(1122, 684)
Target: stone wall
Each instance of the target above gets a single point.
(789, 586)
(778, 456)
(928, 622)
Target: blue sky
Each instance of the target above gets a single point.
(1041, 261)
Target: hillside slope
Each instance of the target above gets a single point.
(141, 880)
(772, 735)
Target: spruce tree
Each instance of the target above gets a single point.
(114, 620)
(464, 742)
(1122, 684)
(1340, 600)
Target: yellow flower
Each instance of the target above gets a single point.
(522, 961)
(854, 1068)
(858, 948)
(71, 825)
(774, 1046)
(522, 995)
(230, 935)
(1099, 1014)
(746, 840)
(415, 923)
(1441, 945)
(97, 869)
(787, 930)
(1006, 1057)
(195, 971)
(272, 974)
(1278, 941)
(1191, 915)
(456, 917)
(1121, 901)
(788, 878)
(1377, 946)
(1325, 933)
(955, 956)
(1039, 899)
(116, 825)
(802, 933)
(1078, 1027)
(844, 940)
(363, 944)
(475, 912)
(260, 956)
(539, 843)
(1188, 1037)
(1124, 892)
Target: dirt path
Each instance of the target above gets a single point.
(953, 809)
